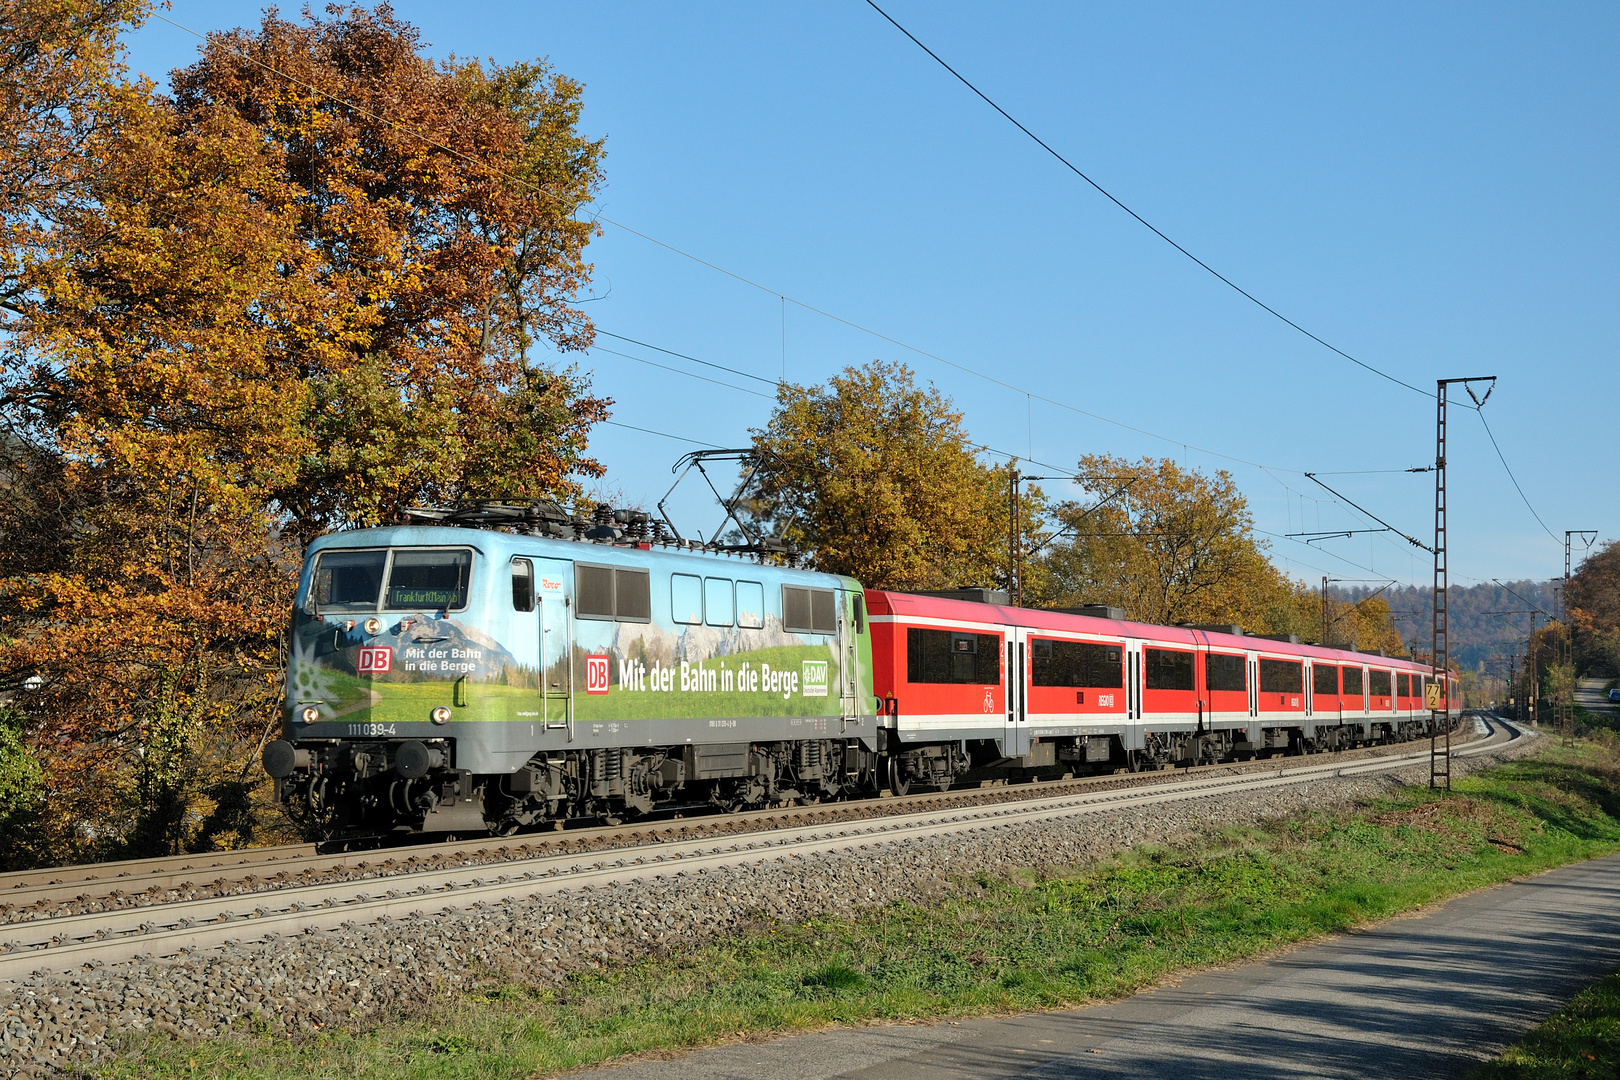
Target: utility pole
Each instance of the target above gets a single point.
(1015, 541)
(1324, 612)
(1566, 644)
(1440, 706)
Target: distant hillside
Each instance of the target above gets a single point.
(1475, 636)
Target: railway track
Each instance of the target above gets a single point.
(65, 943)
(145, 882)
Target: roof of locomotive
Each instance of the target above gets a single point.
(496, 543)
(882, 602)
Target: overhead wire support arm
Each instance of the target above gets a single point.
(1313, 537)
(1414, 541)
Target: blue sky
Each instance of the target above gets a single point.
(1431, 188)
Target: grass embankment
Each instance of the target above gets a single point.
(1581, 1040)
(1025, 941)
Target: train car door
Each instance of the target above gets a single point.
(1015, 742)
(553, 579)
(851, 624)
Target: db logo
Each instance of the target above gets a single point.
(375, 660)
(596, 674)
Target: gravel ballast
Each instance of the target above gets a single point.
(358, 975)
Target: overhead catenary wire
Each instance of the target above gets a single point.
(678, 371)
(1139, 218)
(664, 434)
(1515, 479)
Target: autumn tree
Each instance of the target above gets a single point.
(1594, 611)
(269, 305)
(874, 476)
(1165, 543)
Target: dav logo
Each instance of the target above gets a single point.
(596, 674)
(813, 678)
(375, 660)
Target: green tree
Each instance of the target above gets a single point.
(874, 476)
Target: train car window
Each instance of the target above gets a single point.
(750, 605)
(944, 656)
(347, 579)
(1223, 671)
(686, 598)
(1168, 669)
(522, 585)
(632, 595)
(1325, 678)
(717, 601)
(1352, 681)
(612, 592)
(1281, 676)
(429, 578)
(1403, 685)
(1076, 664)
(809, 611)
(859, 607)
(1378, 683)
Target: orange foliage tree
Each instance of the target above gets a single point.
(297, 295)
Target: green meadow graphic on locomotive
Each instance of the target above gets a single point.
(784, 680)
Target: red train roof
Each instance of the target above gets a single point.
(882, 602)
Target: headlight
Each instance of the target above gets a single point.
(311, 714)
(441, 715)
(373, 625)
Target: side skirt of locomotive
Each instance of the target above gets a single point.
(343, 788)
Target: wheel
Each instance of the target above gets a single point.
(896, 784)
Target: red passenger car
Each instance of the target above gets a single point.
(968, 680)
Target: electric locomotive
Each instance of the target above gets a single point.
(459, 680)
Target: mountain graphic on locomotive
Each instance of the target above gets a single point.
(497, 674)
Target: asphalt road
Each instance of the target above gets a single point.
(1427, 996)
(1590, 695)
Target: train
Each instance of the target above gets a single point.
(508, 668)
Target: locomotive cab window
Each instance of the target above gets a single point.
(1281, 676)
(1075, 664)
(612, 592)
(1325, 678)
(420, 579)
(809, 611)
(1352, 682)
(946, 656)
(1168, 669)
(750, 605)
(522, 585)
(346, 581)
(1223, 671)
